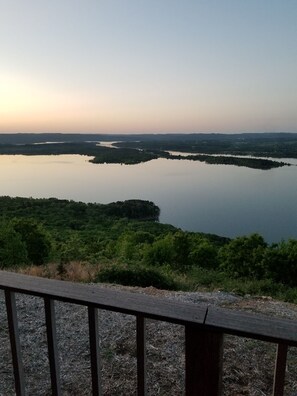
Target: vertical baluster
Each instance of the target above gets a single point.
(53, 355)
(203, 362)
(94, 350)
(141, 355)
(280, 370)
(15, 343)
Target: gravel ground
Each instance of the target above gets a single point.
(248, 364)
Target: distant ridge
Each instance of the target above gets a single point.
(28, 138)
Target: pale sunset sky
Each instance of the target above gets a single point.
(140, 66)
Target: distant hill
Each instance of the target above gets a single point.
(27, 138)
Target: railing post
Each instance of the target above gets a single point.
(280, 370)
(141, 355)
(50, 321)
(204, 350)
(15, 343)
(94, 350)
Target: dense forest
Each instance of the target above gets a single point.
(133, 149)
(123, 242)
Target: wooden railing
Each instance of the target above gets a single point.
(204, 331)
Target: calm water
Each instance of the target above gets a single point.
(224, 200)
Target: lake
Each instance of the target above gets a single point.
(219, 199)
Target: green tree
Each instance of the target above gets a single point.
(172, 249)
(13, 250)
(281, 262)
(130, 245)
(35, 238)
(160, 252)
(204, 254)
(243, 257)
(72, 249)
(181, 250)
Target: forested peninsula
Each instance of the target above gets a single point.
(238, 149)
(124, 243)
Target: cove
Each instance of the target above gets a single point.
(219, 199)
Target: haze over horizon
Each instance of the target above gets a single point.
(136, 66)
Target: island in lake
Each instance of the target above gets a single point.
(245, 150)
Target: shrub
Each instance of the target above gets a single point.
(207, 277)
(136, 276)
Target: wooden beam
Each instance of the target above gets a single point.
(280, 370)
(141, 355)
(204, 352)
(94, 350)
(251, 325)
(50, 321)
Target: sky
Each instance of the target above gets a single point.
(148, 66)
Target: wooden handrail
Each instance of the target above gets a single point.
(251, 325)
(112, 300)
(204, 331)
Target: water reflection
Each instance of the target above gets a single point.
(225, 200)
